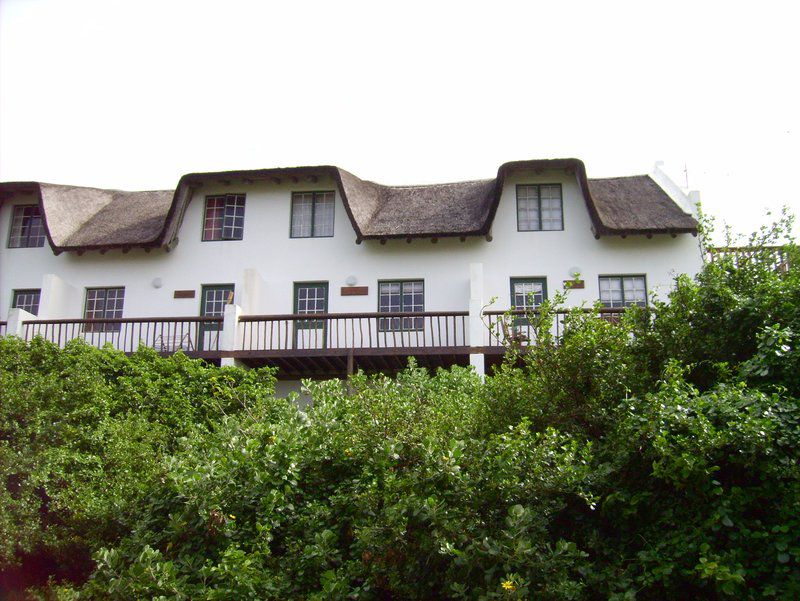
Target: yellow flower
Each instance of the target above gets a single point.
(230, 515)
(509, 586)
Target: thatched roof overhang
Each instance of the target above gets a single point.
(79, 219)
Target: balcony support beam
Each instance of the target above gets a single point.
(476, 326)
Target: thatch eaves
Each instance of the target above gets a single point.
(79, 218)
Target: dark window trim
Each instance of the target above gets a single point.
(310, 323)
(402, 309)
(525, 280)
(625, 275)
(205, 287)
(106, 327)
(314, 194)
(211, 326)
(20, 291)
(27, 238)
(561, 202)
(222, 229)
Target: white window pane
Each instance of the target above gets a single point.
(323, 214)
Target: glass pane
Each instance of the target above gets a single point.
(302, 208)
(551, 207)
(323, 214)
(527, 208)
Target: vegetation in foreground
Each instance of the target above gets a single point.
(652, 459)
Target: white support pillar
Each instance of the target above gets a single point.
(253, 290)
(477, 329)
(231, 333)
(16, 322)
(59, 299)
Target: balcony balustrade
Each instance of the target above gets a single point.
(195, 335)
(319, 344)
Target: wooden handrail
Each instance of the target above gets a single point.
(319, 316)
(602, 310)
(194, 319)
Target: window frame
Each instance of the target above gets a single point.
(621, 277)
(102, 327)
(384, 321)
(314, 194)
(522, 320)
(16, 293)
(539, 201)
(309, 323)
(210, 288)
(228, 196)
(25, 240)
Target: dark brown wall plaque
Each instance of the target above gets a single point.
(355, 290)
(573, 284)
(183, 294)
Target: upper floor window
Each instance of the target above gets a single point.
(224, 217)
(312, 214)
(406, 296)
(27, 227)
(623, 291)
(27, 300)
(539, 207)
(104, 303)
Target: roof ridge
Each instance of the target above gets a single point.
(417, 186)
(600, 179)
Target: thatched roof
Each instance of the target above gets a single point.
(88, 218)
(637, 204)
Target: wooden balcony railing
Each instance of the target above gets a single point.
(774, 256)
(307, 332)
(164, 334)
(514, 326)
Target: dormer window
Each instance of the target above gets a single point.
(27, 227)
(539, 207)
(312, 214)
(224, 217)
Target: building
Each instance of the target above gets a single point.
(229, 265)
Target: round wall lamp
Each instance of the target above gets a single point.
(157, 282)
(351, 280)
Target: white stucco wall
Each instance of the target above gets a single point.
(266, 263)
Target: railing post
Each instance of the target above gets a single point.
(16, 322)
(476, 326)
(231, 333)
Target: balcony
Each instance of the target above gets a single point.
(320, 345)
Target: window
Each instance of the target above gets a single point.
(27, 228)
(215, 298)
(212, 304)
(528, 293)
(623, 291)
(104, 303)
(310, 298)
(401, 297)
(312, 214)
(27, 300)
(224, 218)
(539, 207)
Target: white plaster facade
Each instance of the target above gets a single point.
(266, 263)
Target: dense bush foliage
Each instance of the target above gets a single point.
(655, 458)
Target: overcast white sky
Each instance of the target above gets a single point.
(134, 94)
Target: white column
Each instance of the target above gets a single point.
(59, 299)
(16, 319)
(231, 333)
(254, 285)
(477, 330)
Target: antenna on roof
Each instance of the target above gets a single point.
(686, 174)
